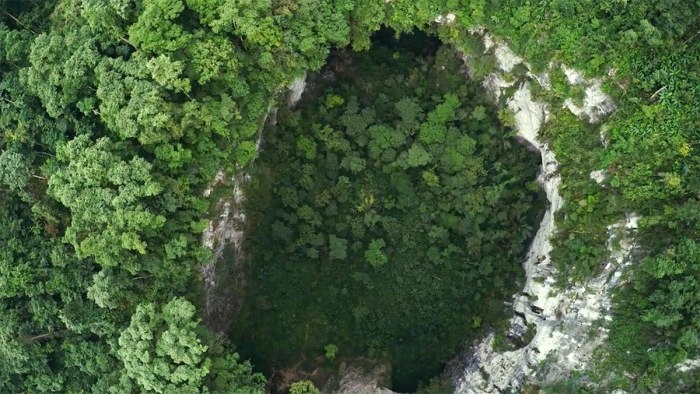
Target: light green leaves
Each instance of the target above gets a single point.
(409, 110)
(338, 248)
(161, 351)
(155, 31)
(434, 130)
(61, 65)
(331, 351)
(306, 147)
(133, 106)
(479, 113)
(416, 156)
(374, 254)
(108, 199)
(167, 72)
(303, 387)
(14, 170)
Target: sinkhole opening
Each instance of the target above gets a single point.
(388, 217)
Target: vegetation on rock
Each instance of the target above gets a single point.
(115, 115)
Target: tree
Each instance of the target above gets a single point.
(374, 254)
(230, 375)
(108, 198)
(61, 68)
(303, 387)
(155, 29)
(131, 105)
(331, 351)
(161, 350)
(18, 360)
(366, 18)
(14, 170)
(106, 290)
(45, 314)
(338, 248)
(670, 288)
(415, 156)
(167, 72)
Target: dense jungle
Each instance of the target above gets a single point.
(390, 215)
(387, 213)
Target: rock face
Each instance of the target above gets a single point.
(296, 89)
(567, 323)
(224, 232)
(595, 104)
(355, 380)
(569, 326)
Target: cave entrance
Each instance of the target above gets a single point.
(389, 216)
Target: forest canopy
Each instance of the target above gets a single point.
(389, 216)
(116, 115)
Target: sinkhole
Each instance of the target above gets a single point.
(388, 216)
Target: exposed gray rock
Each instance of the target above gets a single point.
(225, 231)
(573, 76)
(446, 19)
(355, 380)
(595, 105)
(296, 90)
(567, 321)
(507, 60)
(688, 365)
(599, 176)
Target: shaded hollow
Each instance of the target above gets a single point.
(388, 218)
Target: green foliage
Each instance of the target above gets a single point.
(14, 170)
(130, 108)
(303, 387)
(162, 352)
(107, 196)
(160, 349)
(45, 314)
(229, 374)
(156, 29)
(334, 101)
(330, 351)
(377, 224)
(660, 307)
(374, 255)
(337, 248)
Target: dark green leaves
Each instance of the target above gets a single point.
(375, 216)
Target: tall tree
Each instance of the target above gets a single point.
(163, 352)
(109, 200)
